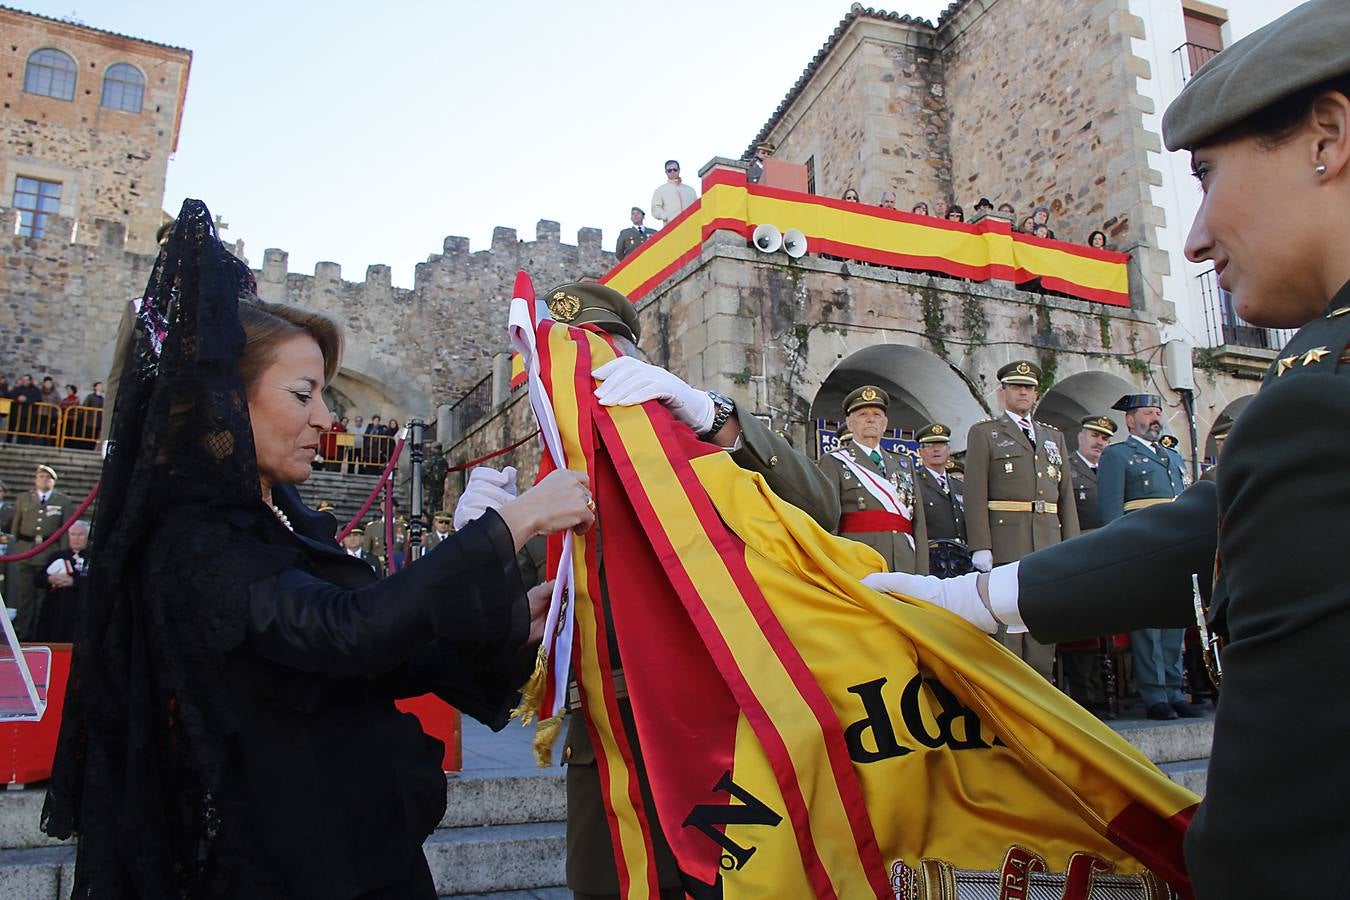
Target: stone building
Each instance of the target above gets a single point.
(89, 119)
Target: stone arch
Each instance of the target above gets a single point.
(1084, 394)
(923, 388)
(1228, 415)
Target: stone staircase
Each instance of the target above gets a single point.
(502, 836)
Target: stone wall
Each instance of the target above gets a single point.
(408, 350)
(111, 163)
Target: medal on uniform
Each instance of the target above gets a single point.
(1053, 471)
(1007, 467)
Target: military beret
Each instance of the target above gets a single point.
(936, 433)
(1099, 424)
(588, 303)
(1020, 371)
(867, 395)
(1308, 45)
(1137, 401)
(1169, 441)
(48, 469)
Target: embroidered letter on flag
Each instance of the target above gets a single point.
(803, 735)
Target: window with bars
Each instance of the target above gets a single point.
(35, 200)
(123, 88)
(50, 73)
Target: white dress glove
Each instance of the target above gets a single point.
(982, 560)
(488, 488)
(958, 595)
(627, 381)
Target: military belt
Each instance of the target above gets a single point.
(574, 693)
(1045, 507)
(1132, 505)
(874, 520)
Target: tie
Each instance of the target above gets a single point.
(42, 498)
(1026, 429)
(942, 480)
(876, 457)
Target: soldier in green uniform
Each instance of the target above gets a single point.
(591, 868)
(1083, 667)
(1267, 122)
(442, 525)
(1019, 496)
(1134, 474)
(944, 509)
(879, 500)
(36, 515)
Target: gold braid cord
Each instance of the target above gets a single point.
(531, 693)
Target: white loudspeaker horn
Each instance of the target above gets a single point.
(767, 239)
(794, 243)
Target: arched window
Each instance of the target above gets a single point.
(123, 88)
(50, 73)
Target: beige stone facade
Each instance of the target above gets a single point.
(110, 162)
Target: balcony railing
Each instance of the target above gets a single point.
(1192, 57)
(474, 405)
(1225, 327)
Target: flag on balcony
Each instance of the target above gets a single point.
(805, 736)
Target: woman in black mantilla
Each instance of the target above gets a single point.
(230, 728)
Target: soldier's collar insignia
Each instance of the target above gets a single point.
(1314, 355)
(564, 306)
(1285, 364)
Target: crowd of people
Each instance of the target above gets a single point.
(365, 452)
(33, 412)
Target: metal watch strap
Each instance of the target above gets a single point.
(723, 408)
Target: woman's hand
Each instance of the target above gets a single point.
(540, 595)
(562, 500)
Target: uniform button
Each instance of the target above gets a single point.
(773, 460)
(567, 754)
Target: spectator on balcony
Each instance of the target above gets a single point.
(955, 213)
(1041, 216)
(673, 197)
(631, 238)
(850, 195)
(1006, 209)
(887, 200)
(984, 207)
(1097, 240)
(373, 447)
(763, 150)
(94, 399)
(1043, 231)
(1028, 225)
(72, 397)
(22, 414)
(45, 419)
(940, 207)
(49, 392)
(391, 430)
(920, 208)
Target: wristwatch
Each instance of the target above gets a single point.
(723, 408)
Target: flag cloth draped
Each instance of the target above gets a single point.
(803, 735)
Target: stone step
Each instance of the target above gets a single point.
(1190, 774)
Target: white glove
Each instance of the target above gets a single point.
(488, 488)
(958, 595)
(628, 381)
(982, 560)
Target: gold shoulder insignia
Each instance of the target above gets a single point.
(1285, 364)
(1314, 355)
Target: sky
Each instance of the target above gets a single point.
(363, 133)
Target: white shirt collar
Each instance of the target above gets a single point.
(1090, 465)
(868, 450)
(1145, 441)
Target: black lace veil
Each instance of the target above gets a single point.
(142, 765)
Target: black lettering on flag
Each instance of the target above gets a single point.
(706, 816)
(878, 719)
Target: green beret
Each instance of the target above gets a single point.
(1302, 48)
(1099, 424)
(1020, 371)
(587, 303)
(867, 395)
(936, 433)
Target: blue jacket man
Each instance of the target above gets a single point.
(1134, 474)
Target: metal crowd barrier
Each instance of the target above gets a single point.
(48, 425)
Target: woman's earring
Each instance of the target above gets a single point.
(1321, 169)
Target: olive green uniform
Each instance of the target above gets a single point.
(944, 509)
(896, 547)
(31, 523)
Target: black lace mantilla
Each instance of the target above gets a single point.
(143, 767)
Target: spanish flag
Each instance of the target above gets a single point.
(803, 735)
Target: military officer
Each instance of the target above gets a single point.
(1220, 433)
(943, 496)
(374, 544)
(1019, 495)
(36, 515)
(1134, 474)
(1093, 437)
(1267, 122)
(442, 524)
(353, 544)
(879, 498)
(591, 868)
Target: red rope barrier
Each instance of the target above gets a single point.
(58, 533)
(386, 475)
(493, 455)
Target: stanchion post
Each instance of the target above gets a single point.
(416, 435)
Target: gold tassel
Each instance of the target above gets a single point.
(545, 736)
(532, 691)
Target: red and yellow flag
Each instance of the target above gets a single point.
(803, 735)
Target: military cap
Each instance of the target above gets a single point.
(1020, 371)
(1137, 401)
(588, 303)
(48, 469)
(1304, 47)
(867, 395)
(325, 506)
(765, 145)
(1099, 424)
(935, 433)
(1220, 430)
(356, 529)
(1169, 441)
(955, 465)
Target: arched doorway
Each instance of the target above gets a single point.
(1081, 395)
(923, 388)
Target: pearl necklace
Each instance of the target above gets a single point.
(281, 517)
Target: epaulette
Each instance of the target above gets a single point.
(1323, 345)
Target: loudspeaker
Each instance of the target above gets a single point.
(794, 243)
(767, 239)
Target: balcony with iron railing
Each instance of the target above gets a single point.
(1192, 57)
(1244, 346)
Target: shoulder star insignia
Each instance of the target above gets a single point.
(1314, 355)
(1285, 364)
(1338, 312)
